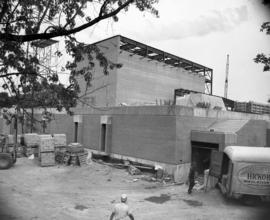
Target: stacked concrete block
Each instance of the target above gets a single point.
(252, 107)
(258, 108)
(240, 106)
(46, 150)
(47, 159)
(60, 144)
(31, 142)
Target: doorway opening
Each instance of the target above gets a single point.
(103, 137)
(201, 154)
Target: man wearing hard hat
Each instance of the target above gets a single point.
(121, 210)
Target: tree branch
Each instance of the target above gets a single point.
(16, 74)
(61, 32)
(14, 9)
(43, 16)
(102, 8)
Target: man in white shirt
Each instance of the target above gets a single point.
(121, 210)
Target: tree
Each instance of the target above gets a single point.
(25, 23)
(262, 58)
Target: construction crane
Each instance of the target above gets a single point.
(226, 79)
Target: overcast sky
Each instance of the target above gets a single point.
(203, 32)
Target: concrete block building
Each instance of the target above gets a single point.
(148, 75)
(169, 136)
(128, 113)
(144, 129)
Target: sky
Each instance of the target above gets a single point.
(203, 32)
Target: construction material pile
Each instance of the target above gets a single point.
(30, 144)
(51, 149)
(44, 146)
(46, 150)
(75, 155)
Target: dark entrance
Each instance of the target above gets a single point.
(201, 154)
(103, 137)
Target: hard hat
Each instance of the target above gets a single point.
(123, 198)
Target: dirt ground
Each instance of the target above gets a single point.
(31, 192)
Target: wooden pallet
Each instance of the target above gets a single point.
(69, 158)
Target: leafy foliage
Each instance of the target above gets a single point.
(23, 26)
(23, 23)
(262, 58)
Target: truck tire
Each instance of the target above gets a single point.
(6, 161)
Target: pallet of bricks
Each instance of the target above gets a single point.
(30, 145)
(240, 106)
(60, 145)
(46, 150)
(75, 155)
(258, 108)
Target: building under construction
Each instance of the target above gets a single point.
(138, 120)
(157, 108)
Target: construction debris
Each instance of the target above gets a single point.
(159, 172)
(133, 170)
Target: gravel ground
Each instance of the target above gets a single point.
(31, 192)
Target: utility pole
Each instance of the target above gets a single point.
(226, 79)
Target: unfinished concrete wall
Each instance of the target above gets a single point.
(253, 133)
(150, 137)
(90, 131)
(139, 80)
(102, 91)
(144, 81)
(62, 124)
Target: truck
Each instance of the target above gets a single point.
(244, 171)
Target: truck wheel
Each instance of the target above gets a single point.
(6, 161)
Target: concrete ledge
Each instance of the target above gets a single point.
(170, 110)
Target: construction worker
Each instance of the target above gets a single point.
(121, 210)
(191, 177)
